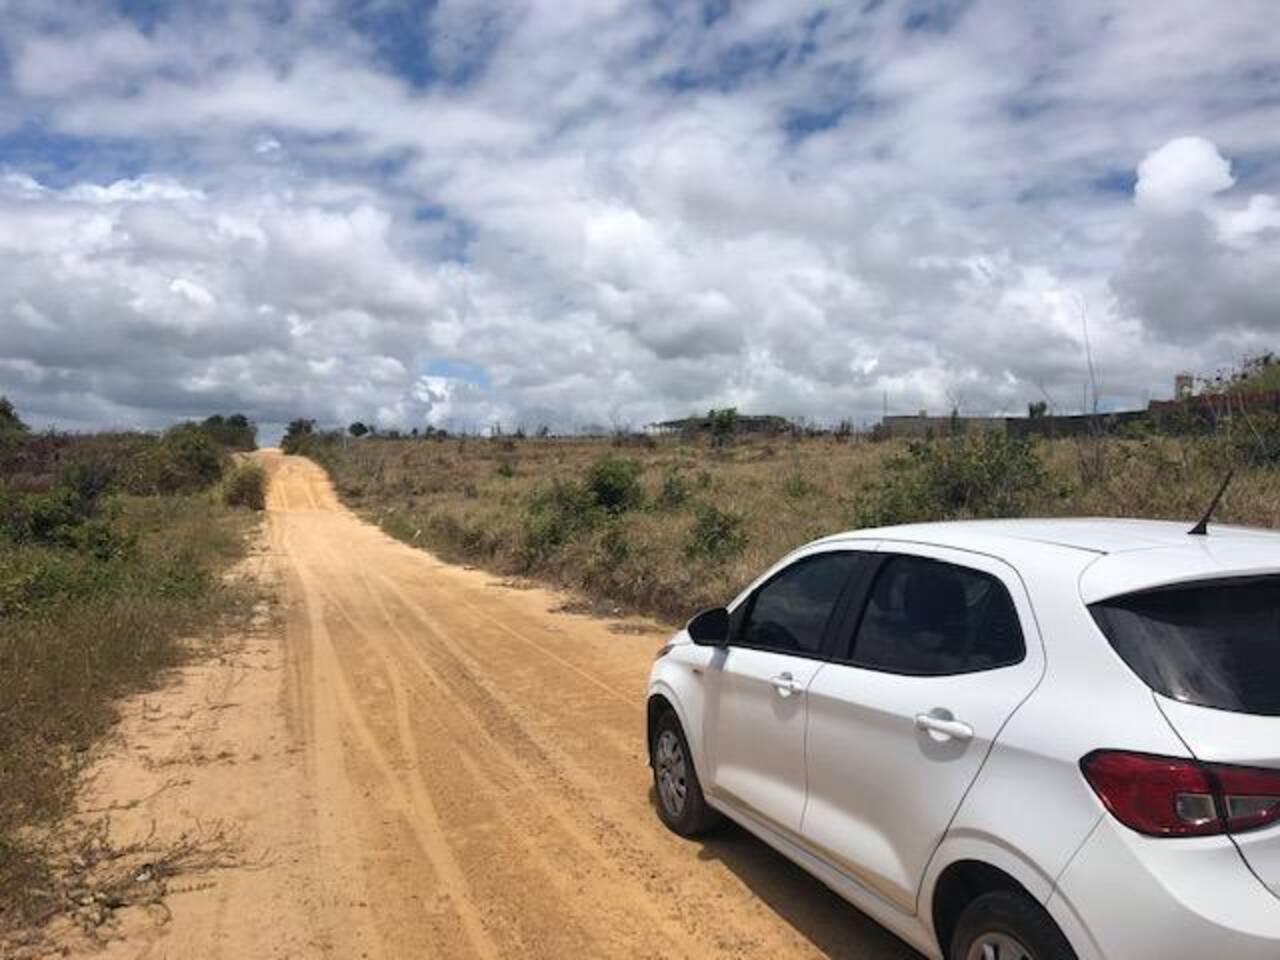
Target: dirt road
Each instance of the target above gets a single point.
(421, 762)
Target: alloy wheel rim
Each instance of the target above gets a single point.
(997, 946)
(670, 767)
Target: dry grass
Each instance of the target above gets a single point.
(85, 632)
(492, 502)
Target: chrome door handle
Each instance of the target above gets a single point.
(955, 729)
(785, 685)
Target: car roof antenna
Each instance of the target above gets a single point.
(1201, 529)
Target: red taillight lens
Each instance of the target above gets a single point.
(1176, 797)
(1161, 796)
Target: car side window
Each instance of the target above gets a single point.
(928, 618)
(789, 613)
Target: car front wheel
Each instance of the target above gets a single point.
(1004, 925)
(681, 805)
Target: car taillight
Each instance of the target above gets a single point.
(1176, 797)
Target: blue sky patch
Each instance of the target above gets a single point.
(454, 369)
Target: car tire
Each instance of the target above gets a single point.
(1006, 925)
(681, 804)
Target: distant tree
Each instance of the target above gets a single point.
(543, 431)
(357, 429)
(1037, 409)
(10, 422)
(723, 424)
(296, 435)
(236, 432)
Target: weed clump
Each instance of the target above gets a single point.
(675, 491)
(716, 535)
(798, 487)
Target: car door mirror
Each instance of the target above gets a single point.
(710, 628)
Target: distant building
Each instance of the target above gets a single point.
(743, 424)
(923, 425)
(1184, 385)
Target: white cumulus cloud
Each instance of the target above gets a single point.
(1182, 175)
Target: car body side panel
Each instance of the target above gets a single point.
(881, 791)
(678, 678)
(753, 738)
(1145, 898)
(1030, 799)
(882, 911)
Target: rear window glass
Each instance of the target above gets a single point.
(929, 618)
(1212, 644)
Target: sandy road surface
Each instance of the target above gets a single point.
(421, 762)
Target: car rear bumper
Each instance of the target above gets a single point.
(1125, 896)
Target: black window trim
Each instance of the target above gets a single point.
(857, 582)
(848, 636)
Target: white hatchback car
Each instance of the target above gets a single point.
(1001, 739)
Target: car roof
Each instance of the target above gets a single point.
(1127, 555)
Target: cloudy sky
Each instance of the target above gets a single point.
(577, 212)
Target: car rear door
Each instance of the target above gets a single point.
(754, 721)
(1211, 652)
(944, 650)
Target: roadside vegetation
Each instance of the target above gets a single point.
(666, 525)
(112, 548)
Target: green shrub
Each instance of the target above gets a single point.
(245, 486)
(91, 478)
(36, 579)
(50, 517)
(199, 459)
(554, 516)
(716, 535)
(99, 539)
(969, 475)
(614, 483)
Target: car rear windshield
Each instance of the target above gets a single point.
(1215, 644)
